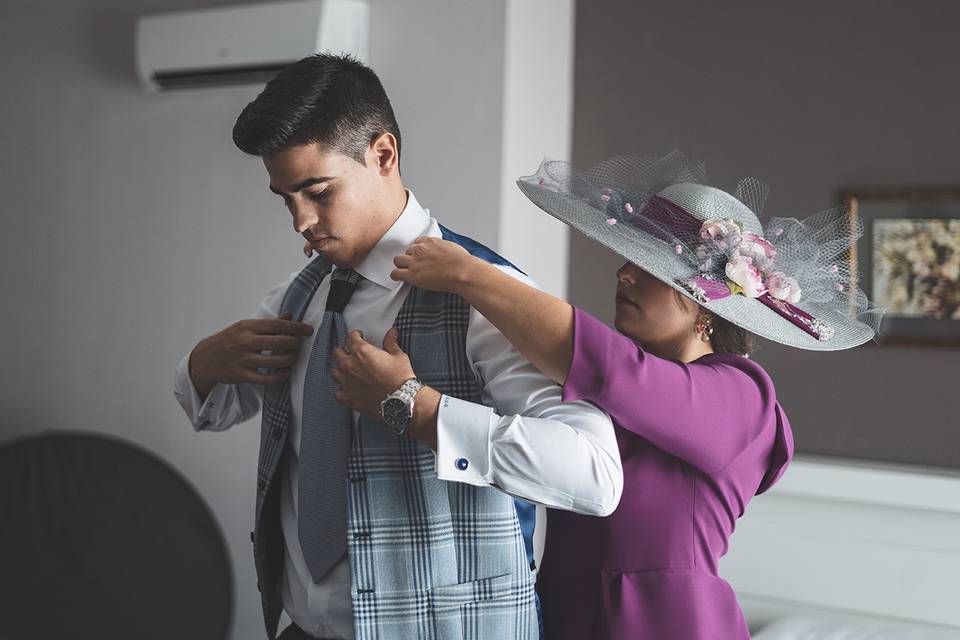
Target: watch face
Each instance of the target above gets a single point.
(395, 413)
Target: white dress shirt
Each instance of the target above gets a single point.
(530, 444)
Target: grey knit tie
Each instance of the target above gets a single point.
(325, 440)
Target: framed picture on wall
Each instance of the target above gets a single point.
(908, 260)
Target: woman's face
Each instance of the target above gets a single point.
(652, 314)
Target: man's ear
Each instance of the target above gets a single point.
(384, 153)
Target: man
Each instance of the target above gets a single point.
(362, 531)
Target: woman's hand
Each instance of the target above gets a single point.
(436, 265)
(367, 375)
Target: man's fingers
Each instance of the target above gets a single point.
(340, 356)
(391, 342)
(279, 326)
(269, 378)
(274, 343)
(354, 339)
(273, 361)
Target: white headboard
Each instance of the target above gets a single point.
(848, 540)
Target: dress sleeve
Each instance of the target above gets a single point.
(706, 412)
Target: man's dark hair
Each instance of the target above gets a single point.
(332, 100)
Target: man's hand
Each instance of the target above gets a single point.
(234, 354)
(367, 375)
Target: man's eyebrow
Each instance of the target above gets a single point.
(303, 185)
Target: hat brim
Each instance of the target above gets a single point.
(656, 258)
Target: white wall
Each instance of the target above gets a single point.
(851, 542)
(537, 123)
(132, 227)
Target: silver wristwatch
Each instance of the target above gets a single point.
(397, 409)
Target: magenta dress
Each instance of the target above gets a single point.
(698, 441)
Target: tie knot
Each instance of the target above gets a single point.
(343, 282)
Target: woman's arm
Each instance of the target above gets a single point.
(706, 412)
(539, 325)
(527, 441)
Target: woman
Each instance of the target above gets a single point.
(698, 425)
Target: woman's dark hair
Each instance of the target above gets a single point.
(332, 100)
(730, 338)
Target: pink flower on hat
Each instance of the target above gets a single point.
(747, 277)
(783, 287)
(725, 232)
(749, 261)
(760, 251)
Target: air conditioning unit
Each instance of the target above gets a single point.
(245, 44)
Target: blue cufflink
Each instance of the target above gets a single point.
(462, 464)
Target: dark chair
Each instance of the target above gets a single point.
(101, 539)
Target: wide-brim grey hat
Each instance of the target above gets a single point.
(660, 214)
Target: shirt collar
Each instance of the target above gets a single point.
(414, 221)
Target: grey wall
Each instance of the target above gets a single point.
(131, 227)
(809, 96)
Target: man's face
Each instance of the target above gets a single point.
(339, 205)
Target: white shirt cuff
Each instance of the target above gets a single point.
(463, 441)
(203, 411)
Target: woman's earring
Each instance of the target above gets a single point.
(704, 327)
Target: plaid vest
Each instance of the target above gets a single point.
(430, 560)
